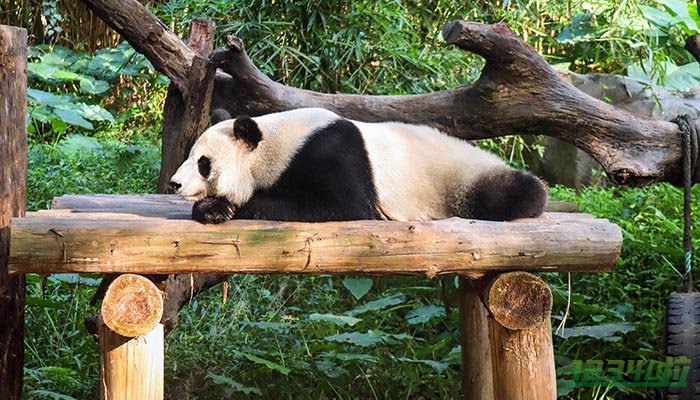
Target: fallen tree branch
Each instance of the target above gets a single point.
(149, 36)
(518, 92)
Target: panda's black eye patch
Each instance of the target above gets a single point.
(204, 165)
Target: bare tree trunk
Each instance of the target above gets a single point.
(13, 201)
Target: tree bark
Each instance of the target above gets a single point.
(477, 377)
(149, 36)
(13, 202)
(114, 243)
(186, 114)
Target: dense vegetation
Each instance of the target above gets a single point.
(94, 124)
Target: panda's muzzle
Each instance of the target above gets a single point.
(173, 187)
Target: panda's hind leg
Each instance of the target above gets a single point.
(503, 194)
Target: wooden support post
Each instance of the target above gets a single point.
(520, 306)
(477, 382)
(131, 340)
(13, 201)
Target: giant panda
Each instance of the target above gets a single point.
(313, 165)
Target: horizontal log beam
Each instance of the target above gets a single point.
(172, 206)
(108, 243)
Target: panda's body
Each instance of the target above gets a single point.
(313, 165)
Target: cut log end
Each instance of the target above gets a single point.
(519, 300)
(132, 306)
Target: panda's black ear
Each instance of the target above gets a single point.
(245, 129)
(219, 115)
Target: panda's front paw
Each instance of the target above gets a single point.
(212, 210)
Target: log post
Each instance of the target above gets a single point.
(522, 356)
(13, 201)
(477, 381)
(132, 352)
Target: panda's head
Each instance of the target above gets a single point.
(218, 164)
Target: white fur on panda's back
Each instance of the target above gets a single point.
(284, 133)
(419, 171)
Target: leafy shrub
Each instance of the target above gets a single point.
(81, 164)
(72, 91)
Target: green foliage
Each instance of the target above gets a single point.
(81, 164)
(94, 122)
(635, 294)
(72, 91)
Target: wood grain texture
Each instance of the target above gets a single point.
(477, 380)
(132, 305)
(518, 300)
(523, 362)
(131, 368)
(13, 201)
(109, 243)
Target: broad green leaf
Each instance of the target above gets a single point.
(71, 116)
(685, 77)
(75, 278)
(377, 304)
(46, 98)
(41, 70)
(440, 367)
(350, 357)
(38, 301)
(58, 125)
(93, 112)
(424, 314)
(657, 17)
(93, 86)
(358, 286)
(340, 320)
(269, 364)
(602, 331)
(64, 75)
(235, 386)
(356, 338)
(79, 144)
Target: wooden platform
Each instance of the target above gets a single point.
(148, 234)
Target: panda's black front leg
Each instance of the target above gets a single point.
(213, 210)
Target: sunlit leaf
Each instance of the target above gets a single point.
(340, 320)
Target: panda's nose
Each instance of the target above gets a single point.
(173, 186)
